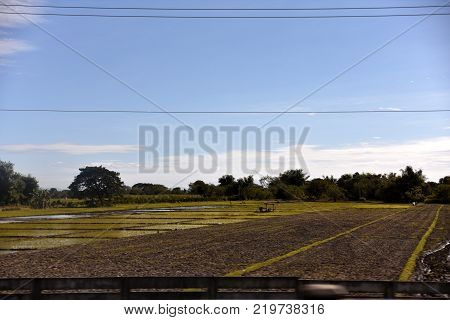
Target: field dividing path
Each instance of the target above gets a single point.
(379, 251)
(292, 253)
(410, 265)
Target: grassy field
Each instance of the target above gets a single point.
(119, 221)
(27, 211)
(6, 212)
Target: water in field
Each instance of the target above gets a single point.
(185, 208)
(95, 214)
(48, 231)
(46, 217)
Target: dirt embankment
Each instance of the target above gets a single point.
(434, 263)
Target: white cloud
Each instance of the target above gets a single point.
(431, 155)
(16, 20)
(11, 46)
(8, 46)
(389, 109)
(115, 164)
(76, 149)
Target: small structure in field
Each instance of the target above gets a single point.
(269, 206)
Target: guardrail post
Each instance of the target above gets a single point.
(36, 289)
(389, 292)
(124, 289)
(299, 290)
(212, 288)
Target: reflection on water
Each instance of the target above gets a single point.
(48, 231)
(96, 214)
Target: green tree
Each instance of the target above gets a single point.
(6, 177)
(226, 180)
(228, 185)
(177, 190)
(96, 184)
(30, 186)
(360, 186)
(14, 187)
(202, 188)
(287, 192)
(40, 199)
(324, 189)
(294, 177)
(414, 194)
(444, 180)
(441, 191)
(244, 186)
(411, 185)
(149, 189)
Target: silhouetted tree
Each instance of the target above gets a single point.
(244, 185)
(441, 192)
(444, 180)
(199, 187)
(177, 190)
(149, 189)
(96, 184)
(226, 180)
(228, 185)
(294, 177)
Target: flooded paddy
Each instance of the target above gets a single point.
(39, 231)
(26, 233)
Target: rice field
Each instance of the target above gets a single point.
(341, 241)
(28, 230)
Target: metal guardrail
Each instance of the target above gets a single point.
(215, 288)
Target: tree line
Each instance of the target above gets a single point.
(408, 186)
(98, 186)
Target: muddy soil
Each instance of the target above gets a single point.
(435, 264)
(378, 251)
(209, 251)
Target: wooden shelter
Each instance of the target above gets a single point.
(269, 206)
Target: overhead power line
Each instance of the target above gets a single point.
(222, 17)
(224, 9)
(223, 112)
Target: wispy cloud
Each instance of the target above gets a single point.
(11, 46)
(389, 109)
(115, 164)
(68, 148)
(16, 20)
(432, 155)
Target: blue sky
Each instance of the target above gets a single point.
(256, 65)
